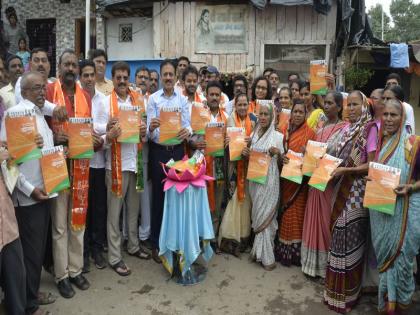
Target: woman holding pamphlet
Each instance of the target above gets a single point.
(293, 194)
(316, 227)
(261, 90)
(264, 188)
(235, 228)
(396, 235)
(349, 219)
(315, 115)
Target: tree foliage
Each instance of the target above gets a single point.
(405, 17)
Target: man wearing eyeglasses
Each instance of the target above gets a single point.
(142, 78)
(32, 203)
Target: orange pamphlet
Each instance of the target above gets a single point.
(80, 138)
(170, 125)
(322, 174)
(215, 139)
(318, 82)
(129, 119)
(258, 165)
(293, 170)
(284, 117)
(314, 152)
(237, 142)
(54, 170)
(259, 103)
(200, 117)
(379, 194)
(21, 132)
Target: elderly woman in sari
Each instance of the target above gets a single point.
(261, 90)
(316, 226)
(235, 228)
(293, 196)
(265, 197)
(349, 219)
(396, 238)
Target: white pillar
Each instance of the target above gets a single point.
(87, 29)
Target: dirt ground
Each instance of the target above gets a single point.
(232, 286)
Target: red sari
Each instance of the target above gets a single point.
(293, 200)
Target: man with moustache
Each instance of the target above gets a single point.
(168, 97)
(142, 77)
(95, 233)
(32, 203)
(122, 172)
(67, 238)
(190, 79)
(14, 67)
(182, 63)
(154, 81)
(213, 74)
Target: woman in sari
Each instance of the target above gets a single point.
(265, 197)
(285, 98)
(294, 87)
(349, 219)
(235, 228)
(316, 226)
(293, 195)
(315, 116)
(261, 90)
(396, 238)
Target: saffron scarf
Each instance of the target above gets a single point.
(241, 164)
(211, 185)
(116, 164)
(79, 169)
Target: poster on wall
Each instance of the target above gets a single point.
(221, 29)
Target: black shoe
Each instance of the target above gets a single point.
(155, 256)
(65, 288)
(80, 282)
(99, 261)
(146, 244)
(86, 265)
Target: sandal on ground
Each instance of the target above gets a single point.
(141, 254)
(269, 267)
(121, 268)
(45, 298)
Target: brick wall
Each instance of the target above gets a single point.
(64, 13)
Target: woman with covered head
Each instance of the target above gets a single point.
(349, 219)
(396, 238)
(316, 227)
(293, 196)
(265, 197)
(235, 228)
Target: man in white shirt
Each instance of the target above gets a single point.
(14, 68)
(121, 173)
(394, 79)
(95, 233)
(30, 200)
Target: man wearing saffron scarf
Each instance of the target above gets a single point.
(66, 234)
(122, 172)
(190, 79)
(168, 97)
(215, 165)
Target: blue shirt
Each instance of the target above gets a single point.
(157, 101)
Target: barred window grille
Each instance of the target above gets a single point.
(126, 33)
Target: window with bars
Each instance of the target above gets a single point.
(126, 33)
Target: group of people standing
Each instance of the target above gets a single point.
(330, 235)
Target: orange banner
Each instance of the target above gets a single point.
(258, 165)
(379, 194)
(170, 125)
(313, 153)
(215, 139)
(322, 174)
(200, 117)
(293, 170)
(54, 170)
(317, 71)
(80, 138)
(237, 142)
(129, 119)
(21, 132)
